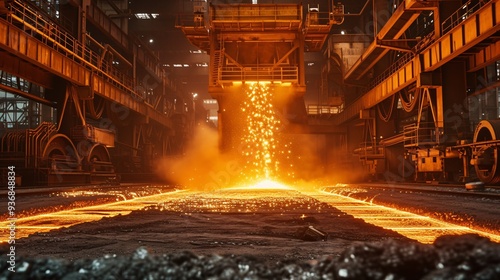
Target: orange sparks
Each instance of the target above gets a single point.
(260, 136)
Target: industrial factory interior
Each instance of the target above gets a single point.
(250, 139)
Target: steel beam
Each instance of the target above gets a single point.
(473, 30)
(395, 27)
(27, 95)
(403, 77)
(484, 57)
(12, 64)
(27, 48)
(479, 27)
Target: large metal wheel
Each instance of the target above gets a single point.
(60, 154)
(98, 160)
(487, 162)
(98, 153)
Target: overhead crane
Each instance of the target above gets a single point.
(257, 43)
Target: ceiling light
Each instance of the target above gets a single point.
(146, 16)
(142, 16)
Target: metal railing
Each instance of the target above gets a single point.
(51, 8)
(452, 21)
(460, 15)
(403, 60)
(145, 55)
(318, 18)
(369, 151)
(282, 12)
(315, 109)
(63, 42)
(423, 134)
(282, 74)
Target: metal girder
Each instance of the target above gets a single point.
(27, 48)
(396, 44)
(25, 70)
(473, 30)
(404, 16)
(230, 58)
(248, 17)
(103, 22)
(120, 12)
(436, 107)
(285, 56)
(398, 23)
(404, 76)
(269, 36)
(27, 95)
(145, 58)
(484, 57)
(196, 35)
(467, 34)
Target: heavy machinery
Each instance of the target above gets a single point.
(257, 43)
(82, 100)
(428, 138)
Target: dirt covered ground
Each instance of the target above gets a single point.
(271, 234)
(268, 227)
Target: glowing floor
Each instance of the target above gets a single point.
(244, 200)
(421, 228)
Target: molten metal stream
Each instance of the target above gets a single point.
(263, 144)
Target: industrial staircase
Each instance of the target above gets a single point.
(216, 65)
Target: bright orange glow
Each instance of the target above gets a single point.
(266, 185)
(271, 197)
(421, 228)
(66, 218)
(260, 137)
(264, 148)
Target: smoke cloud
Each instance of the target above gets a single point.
(202, 167)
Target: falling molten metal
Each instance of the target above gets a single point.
(261, 139)
(260, 136)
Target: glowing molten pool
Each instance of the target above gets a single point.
(265, 185)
